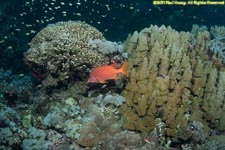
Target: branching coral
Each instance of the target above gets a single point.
(61, 50)
(173, 79)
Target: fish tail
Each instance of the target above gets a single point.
(123, 69)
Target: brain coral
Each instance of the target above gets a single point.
(62, 50)
(172, 81)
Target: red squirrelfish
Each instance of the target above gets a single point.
(102, 73)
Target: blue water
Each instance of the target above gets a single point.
(115, 18)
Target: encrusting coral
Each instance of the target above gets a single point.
(173, 80)
(61, 50)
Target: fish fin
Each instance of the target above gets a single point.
(123, 69)
(114, 64)
(101, 81)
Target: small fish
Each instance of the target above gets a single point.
(147, 140)
(102, 73)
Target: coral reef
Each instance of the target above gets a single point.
(123, 140)
(128, 140)
(198, 132)
(217, 44)
(15, 88)
(61, 50)
(105, 47)
(79, 118)
(35, 140)
(116, 100)
(172, 80)
(215, 143)
(174, 93)
(57, 120)
(97, 123)
(11, 131)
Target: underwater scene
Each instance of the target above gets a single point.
(112, 75)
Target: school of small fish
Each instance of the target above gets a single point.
(36, 14)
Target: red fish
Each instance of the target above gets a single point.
(102, 73)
